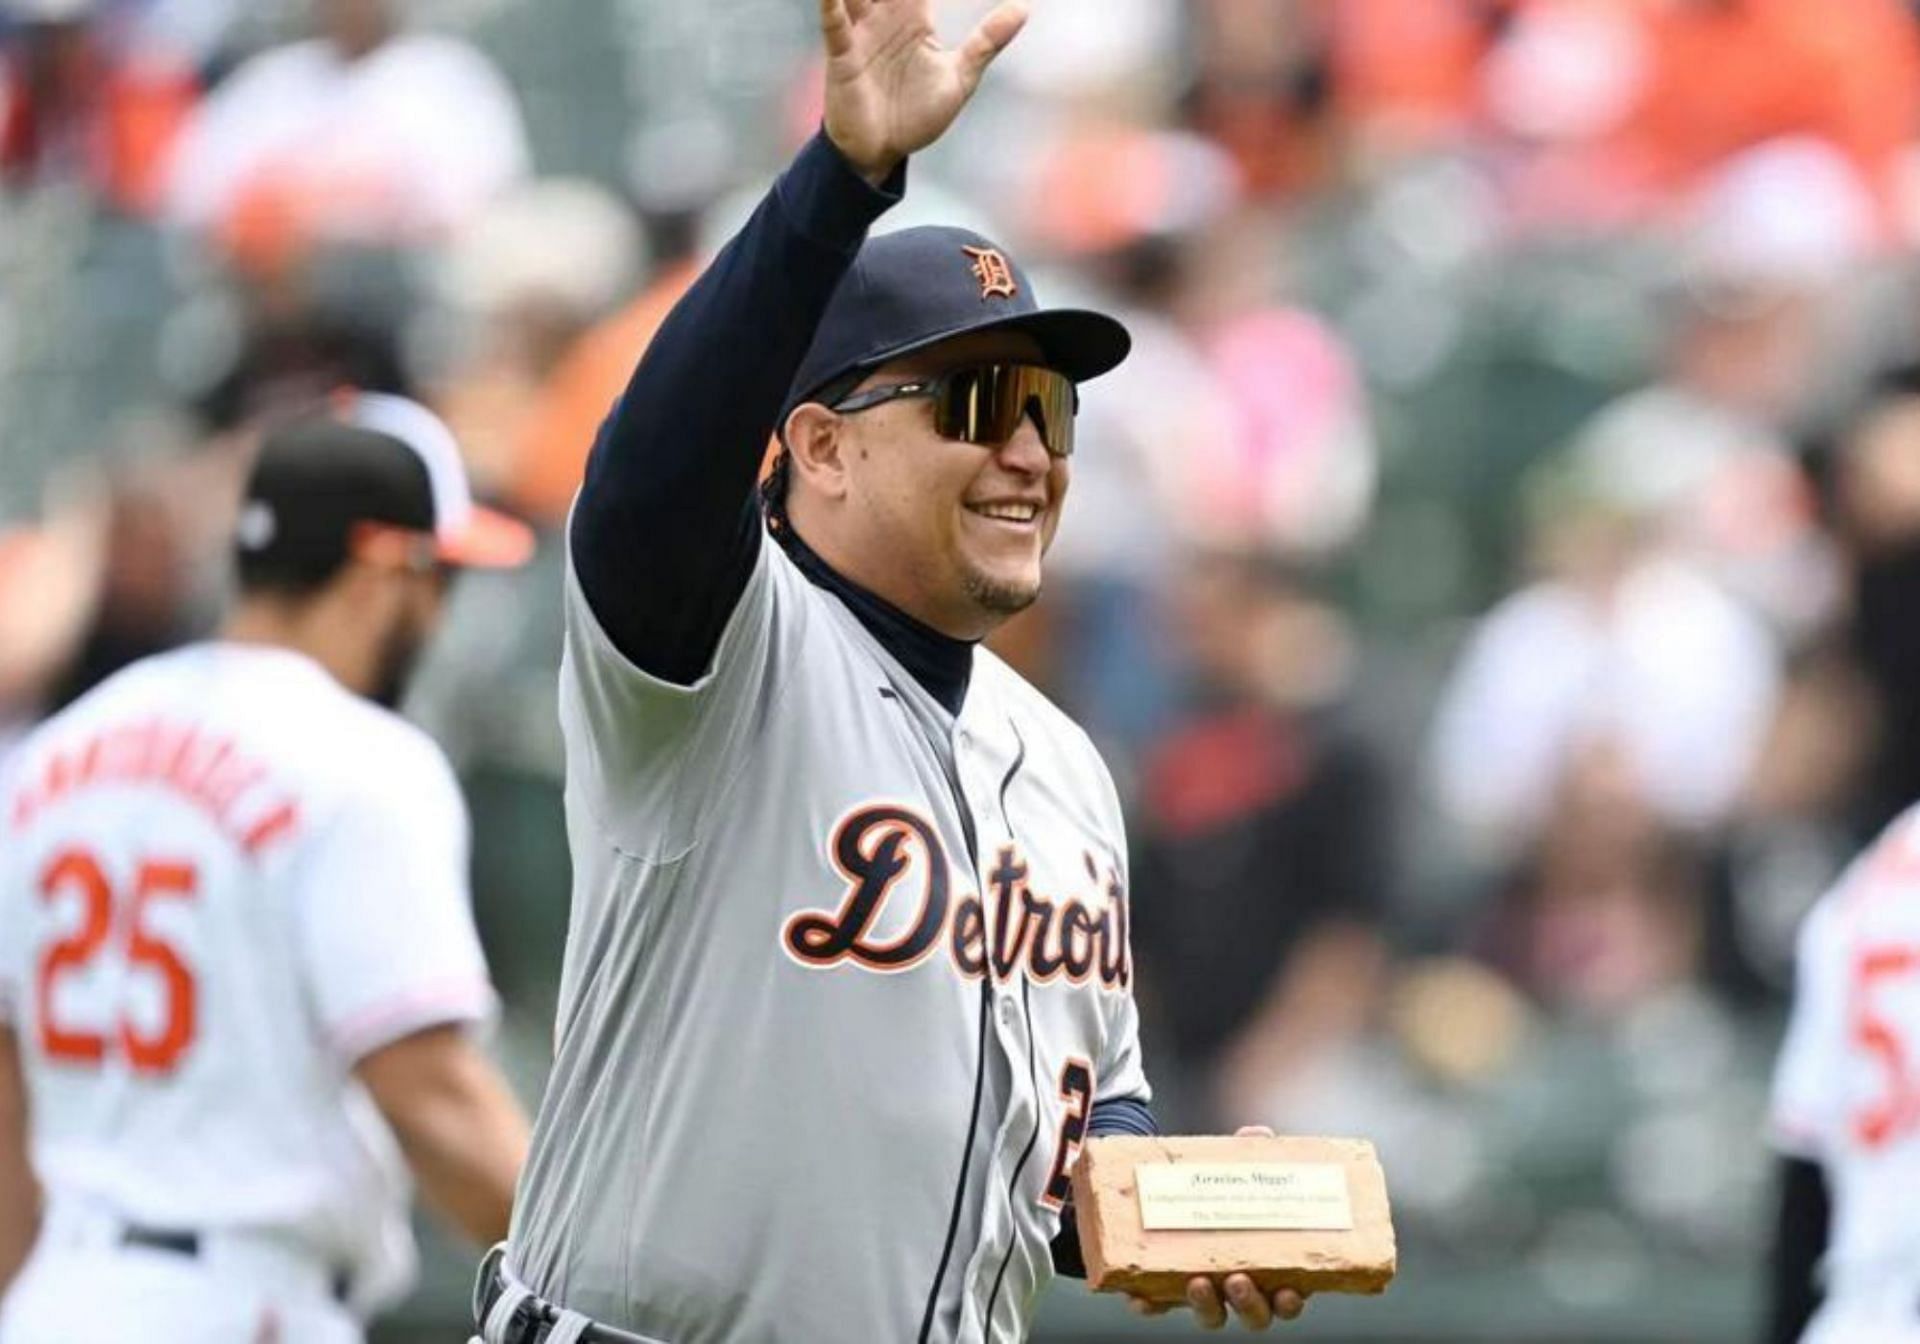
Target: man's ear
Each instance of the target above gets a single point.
(816, 443)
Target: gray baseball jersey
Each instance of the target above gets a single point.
(844, 977)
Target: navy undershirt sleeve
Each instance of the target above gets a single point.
(1120, 1115)
(666, 527)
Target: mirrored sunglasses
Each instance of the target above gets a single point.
(985, 403)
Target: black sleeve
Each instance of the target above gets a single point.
(666, 528)
(1069, 1261)
(1799, 1241)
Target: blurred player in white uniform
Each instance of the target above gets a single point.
(237, 955)
(1846, 1111)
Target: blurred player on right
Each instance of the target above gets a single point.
(1846, 1111)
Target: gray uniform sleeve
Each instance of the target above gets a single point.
(1121, 1071)
(643, 748)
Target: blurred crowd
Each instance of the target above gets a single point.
(1492, 577)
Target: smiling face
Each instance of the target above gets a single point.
(950, 532)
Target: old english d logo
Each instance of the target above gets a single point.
(990, 268)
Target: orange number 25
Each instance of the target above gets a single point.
(75, 874)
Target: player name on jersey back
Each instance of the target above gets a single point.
(235, 791)
(224, 881)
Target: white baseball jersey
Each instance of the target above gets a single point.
(225, 880)
(1847, 1090)
(845, 975)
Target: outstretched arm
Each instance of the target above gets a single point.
(666, 527)
(462, 1130)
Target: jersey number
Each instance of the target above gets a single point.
(1897, 1109)
(1076, 1089)
(76, 875)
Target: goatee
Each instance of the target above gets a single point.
(1004, 599)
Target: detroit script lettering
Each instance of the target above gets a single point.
(1016, 930)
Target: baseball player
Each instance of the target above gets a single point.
(237, 959)
(847, 981)
(1846, 1110)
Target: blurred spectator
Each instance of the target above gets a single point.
(561, 425)
(535, 364)
(1261, 89)
(1306, 93)
(1123, 205)
(48, 585)
(1594, 110)
(1796, 825)
(1243, 425)
(523, 286)
(1723, 78)
(1623, 105)
(1264, 844)
(1406, 72)
(1278, 452)
(363, 134)
(1702, 454)
(164, 518)
(199, 29)
(1105, 54)
(86, 96)
(1604, 912)
(1619, 646)
(288, 353)
(1877, 507)
(1296, 472)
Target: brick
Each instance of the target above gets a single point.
(1122, 1257)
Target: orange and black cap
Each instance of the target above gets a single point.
(366, 459)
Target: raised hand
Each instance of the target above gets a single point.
(891, 87)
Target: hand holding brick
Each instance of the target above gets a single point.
(1353, 1253)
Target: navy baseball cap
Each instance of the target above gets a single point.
(920, 286)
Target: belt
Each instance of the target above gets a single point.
(152, 1239)
(506, 1311)
(173, 1242)
(74, 1223)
